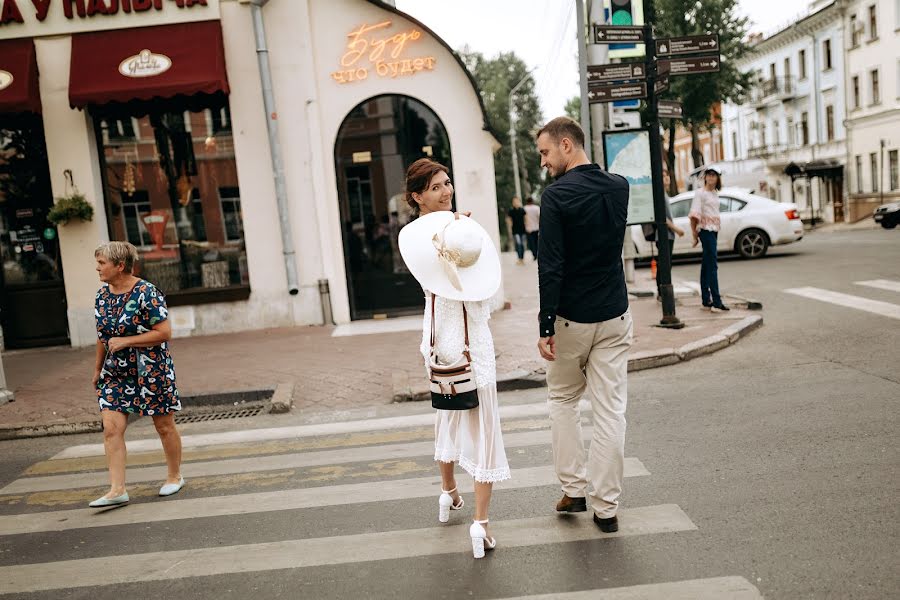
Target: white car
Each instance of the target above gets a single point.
(749, 225)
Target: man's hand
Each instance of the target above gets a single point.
(547, 348)
(117, 343)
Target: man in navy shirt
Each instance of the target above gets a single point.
(585, 324)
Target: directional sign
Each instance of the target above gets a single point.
(691, 44)
(669, 110)
(618, 34)
(618, 72)
(662, 84)
(619, 91)
(689, 66)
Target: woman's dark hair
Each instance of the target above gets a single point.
(718, 178)
(418, 176)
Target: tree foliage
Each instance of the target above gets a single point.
(573, 108)
(495, 78)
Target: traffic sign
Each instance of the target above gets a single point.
(662, 84)
(667, 109)
(689, 66)
(618, 34)
(691, 44)
(618, 91)
(617, 72)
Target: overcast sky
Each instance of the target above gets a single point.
(542, 33)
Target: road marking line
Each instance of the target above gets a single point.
(259, 464)
(883, 309)
(714, 588)
(300, 431)
(881, 284)
(259, 502)
(294, 554)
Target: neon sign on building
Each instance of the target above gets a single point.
(368, 51)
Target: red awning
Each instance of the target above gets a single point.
(137, 66)
(19, 77)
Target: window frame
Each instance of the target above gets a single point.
(872, 14)
(830, 133)
(874, 87)
(893, 170)
(801, 60)
(827, 58)
(873, 168)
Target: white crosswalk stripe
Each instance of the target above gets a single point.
(226, 554)
(883, 309)
(881, 284)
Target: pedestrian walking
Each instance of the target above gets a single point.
(515, 226)
(705, 225)
(133, 371)
(585, 323)
(457, 265)
(532, 225)
(650, 233)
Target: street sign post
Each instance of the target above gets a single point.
(662, 84)
(617, 72)
(689, 66)
(692, 44)
(618, 34)
(666, 109)
(617, 91)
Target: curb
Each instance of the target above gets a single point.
(639, 361)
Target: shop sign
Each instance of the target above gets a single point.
(145, 64)
(372, 51)
(6, 79)
(35, 18)
(49, 233)
(362, 157)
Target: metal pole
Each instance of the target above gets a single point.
(512, 135)
(265, 76)
(582, 76)
(664, 270)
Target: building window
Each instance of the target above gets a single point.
(873, 23)
(854, 31)
(801, 59)
(876, 89)
(892, 165)
(855, 87)
(873, 163)
(787, 69)
(772, 73)
(776, 133)
(826, 54)
(233, 221)
(791, 131)
(804, 128)
(734, 144)
(186, 238)
(829, 122)
(118, 129)
(859, 174)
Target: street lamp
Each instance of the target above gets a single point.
(512, 134)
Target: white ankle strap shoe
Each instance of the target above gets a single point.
(480, 540)
(445, 505)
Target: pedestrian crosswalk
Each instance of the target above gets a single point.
(294, 504)
(862, 303)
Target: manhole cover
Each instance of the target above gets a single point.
(237, 413)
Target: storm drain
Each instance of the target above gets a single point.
(237, 413)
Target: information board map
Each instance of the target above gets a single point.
(627, 153)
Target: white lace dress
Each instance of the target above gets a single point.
(470, 437)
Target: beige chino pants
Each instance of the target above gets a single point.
(592, 357)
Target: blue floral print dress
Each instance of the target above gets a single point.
(135, 380)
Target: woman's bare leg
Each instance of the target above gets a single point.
(448, 479)
(114, 425)
(482, 502)
(171, 442)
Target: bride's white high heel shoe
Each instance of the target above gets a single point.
(446, 505)
(480, 540)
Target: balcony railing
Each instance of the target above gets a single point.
(779, 88)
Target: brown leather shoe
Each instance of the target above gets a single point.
(570, 505)
(610, 525)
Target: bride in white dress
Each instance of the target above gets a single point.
(471, 437)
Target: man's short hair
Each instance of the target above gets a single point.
(563, 127)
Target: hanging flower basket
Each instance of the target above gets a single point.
(73, 205)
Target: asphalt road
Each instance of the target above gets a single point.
(769, 468)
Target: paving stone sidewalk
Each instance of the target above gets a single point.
(53, 390)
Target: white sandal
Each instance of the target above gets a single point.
(446, 504)
(480, 540)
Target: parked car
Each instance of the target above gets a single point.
(888, 215)
(750, 225)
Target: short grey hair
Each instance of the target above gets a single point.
(118, 253)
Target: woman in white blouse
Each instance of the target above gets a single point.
(705, 223)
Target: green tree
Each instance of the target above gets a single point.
(573, 108)
(495, 78)
(699, 93)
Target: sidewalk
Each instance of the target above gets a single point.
(861, 225)
(334, 373)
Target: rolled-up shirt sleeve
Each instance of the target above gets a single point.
(697, 206)
(551, 257)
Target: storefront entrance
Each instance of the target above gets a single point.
(32, 293)
(375, 144)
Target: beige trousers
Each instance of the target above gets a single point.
(592, 357)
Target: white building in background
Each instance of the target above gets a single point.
(793, 121)
(873, 104)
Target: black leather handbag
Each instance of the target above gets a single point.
(453, 386)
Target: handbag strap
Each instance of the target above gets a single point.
(465, 328)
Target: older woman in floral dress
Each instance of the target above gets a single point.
(133, 372)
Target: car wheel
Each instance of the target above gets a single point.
(888, 224)
(752, 243)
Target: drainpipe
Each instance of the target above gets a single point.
(265, 76)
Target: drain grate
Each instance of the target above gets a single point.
(237, 413)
